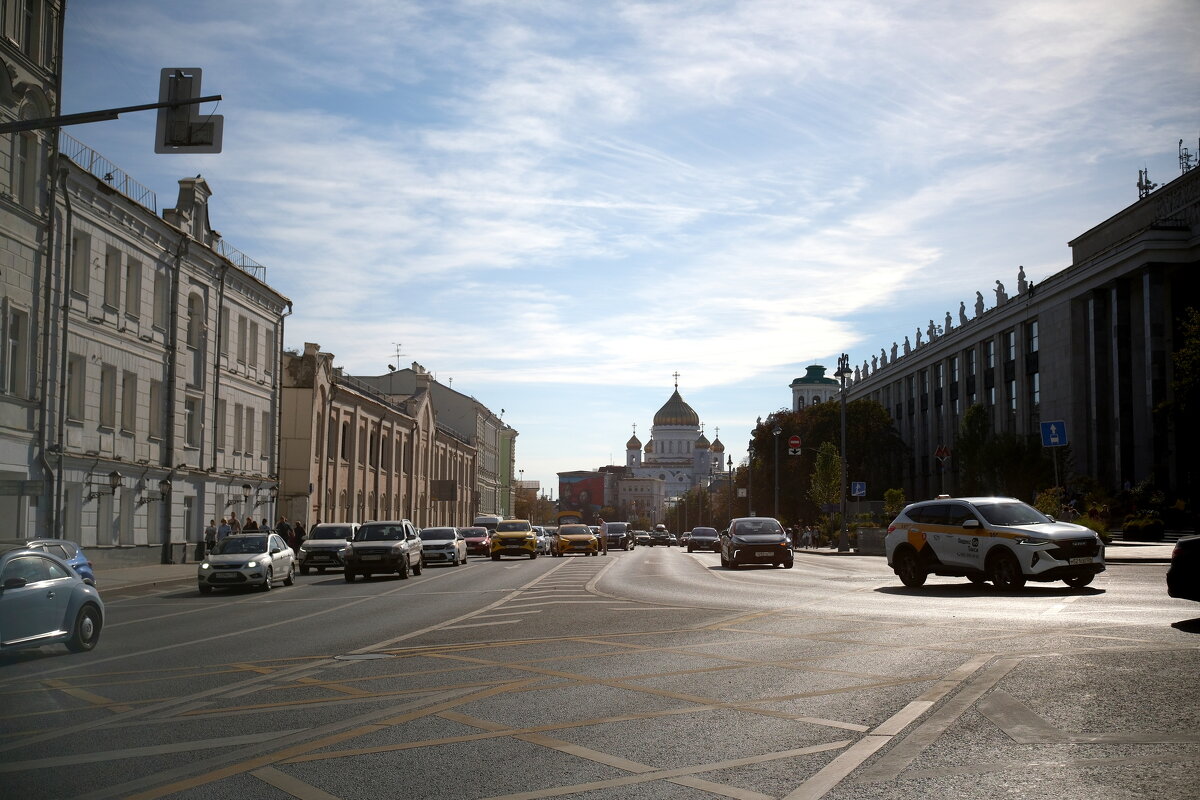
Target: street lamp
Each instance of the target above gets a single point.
(843, 372)
(729, 497)
(778, 430)
(750, 480)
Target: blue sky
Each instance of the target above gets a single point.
(557, 205)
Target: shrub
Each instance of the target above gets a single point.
(1096, 524)
(893, 503)
(1050, 501)
(1143, 529)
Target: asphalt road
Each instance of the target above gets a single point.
(648, 674)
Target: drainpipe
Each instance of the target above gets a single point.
(172, 344)
(277, 392)
(217, 364)
(69, 256)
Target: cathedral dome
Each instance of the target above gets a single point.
(633, 443)
(677, 412)
(717, 446)
(650, 446)
(702, 443)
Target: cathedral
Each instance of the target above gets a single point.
(678, 453)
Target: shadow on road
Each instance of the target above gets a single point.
(1187, 625)
(971, 590)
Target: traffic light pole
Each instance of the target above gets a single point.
(97, 116)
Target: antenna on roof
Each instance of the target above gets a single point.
(397, 344)
(1186, 158)
(1144, 184)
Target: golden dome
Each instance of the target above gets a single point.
(676, 412)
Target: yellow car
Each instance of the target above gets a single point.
(577, 539)
(514, 537)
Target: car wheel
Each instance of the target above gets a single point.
(86, 631)
(320, 570)
(532, 556)
(268, 580)
(977, 578)
(420, 565)
(690, 548)
(205, 589)
(495, 557)
(788, 564)
(1004, 570)
(304, 570)
(724, 560)
(908, 567)
(349, 576)
(403, 570)
(1078, 581)
(625, 546)
(291, 576)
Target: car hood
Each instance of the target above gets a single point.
(324, 544)
(759, 538)
(576, 537)
(1048, 530)
(233, 558)
(514, 535)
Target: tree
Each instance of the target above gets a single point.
(826, 484)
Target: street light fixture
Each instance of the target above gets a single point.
(778, 430)
(750, 480)
(729, 497)
(843, 372)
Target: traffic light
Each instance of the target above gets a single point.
(181, 128)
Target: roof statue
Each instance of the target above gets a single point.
(979, 304)
(962, 312)
(1001, 295)
(1022, 284)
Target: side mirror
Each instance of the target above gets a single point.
(275, 551)
(14, 583)
(1051, 518)
(971, 523)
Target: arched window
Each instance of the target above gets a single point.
(195, 321)
(345, 441)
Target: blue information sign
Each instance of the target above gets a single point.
(1054, 433)
(858, 488)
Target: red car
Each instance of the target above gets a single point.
(479, 541)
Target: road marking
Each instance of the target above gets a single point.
(57, 762)
(293, 786)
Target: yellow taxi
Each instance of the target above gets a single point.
(577, 539)
(514, 537)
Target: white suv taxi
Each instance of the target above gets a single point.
(997, 539)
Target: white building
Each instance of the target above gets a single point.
(678, 453)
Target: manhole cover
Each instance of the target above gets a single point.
(363, 656)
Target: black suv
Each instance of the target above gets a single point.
(704, 539)
(619, 535)
(382, 547)
(755, 540)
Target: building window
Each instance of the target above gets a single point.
(1035, 390)
(1010, 345)
(1010, 392)
(155, 430)
(224, 332)
(76, 376)
(252, 344)
(191, 422)
(989, 354)
(129, 402)
(264, 449)
(249, 431)
(26, 151)
(16, 359)
(81, 256)
(1031, 336)
(954, 369)
(270, 357)
(241, 344)
(362, 444)
(237, 427)
(162, 294)
(195, 321)
(219, 436)
(345, 449)
(108, 396)
(112, 278)
(133, 288)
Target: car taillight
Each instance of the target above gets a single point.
(891, 528)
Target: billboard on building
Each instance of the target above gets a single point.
(582, 492)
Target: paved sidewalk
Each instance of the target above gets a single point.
(1114, 553)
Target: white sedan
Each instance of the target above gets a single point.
(443, 545)
(248, 559)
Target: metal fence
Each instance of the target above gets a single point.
(107, 171)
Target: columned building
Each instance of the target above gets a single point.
(1091, 347)
(813, 388)
(678, 453)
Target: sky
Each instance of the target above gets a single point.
(555, 206)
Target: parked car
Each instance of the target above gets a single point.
(479, 540)
(997, 539)
(703, 539)
(577, 540)
(514, 537)
(247, 559)
(619, 535)
(68, 551)
(756, 540)
(443, 545)
(1183, 576)
(44, 601)
(326, 546)
(384, 547)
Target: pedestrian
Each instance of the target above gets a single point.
(210, 536)
(285, 530)
(223, 529)
(250, 525)
(298, 533)
(234, 525)
(603, 543)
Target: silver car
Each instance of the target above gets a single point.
(326, 546)
(248, 559)
(443, 545)
(44, 601)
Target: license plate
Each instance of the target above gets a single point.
(225, 576)
(1080, 560)
(764, 554)
(372, 558)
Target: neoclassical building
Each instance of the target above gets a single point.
(1090, 347)
(813, 388)
(678, 453)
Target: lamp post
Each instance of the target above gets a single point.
(778, 430)
(843, 372)
(750, 481)
(729, 497)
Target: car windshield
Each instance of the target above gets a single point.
(241, 545)
(512, 527)
(331, 532)
(437, 534)
(574, 530)
(473, 533)
(380, 533)
(1012, 512)
(756, 527)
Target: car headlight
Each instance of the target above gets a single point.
(205, 566)
(252, 564)
(1032, 542)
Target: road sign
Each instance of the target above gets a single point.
(794, 451)
(793, 442)
(858, 488)
(1054, 433)
(181, 128)
(942, 453)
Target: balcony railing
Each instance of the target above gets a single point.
(107, 171)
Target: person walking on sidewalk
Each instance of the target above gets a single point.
(298, 534)
(210, 536)
(285, 530)
(223, 529)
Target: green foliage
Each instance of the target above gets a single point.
(1144, 528)
(893, 503)
(1050, 501)
(826, 483)
(999, 463)
(1100, 526)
